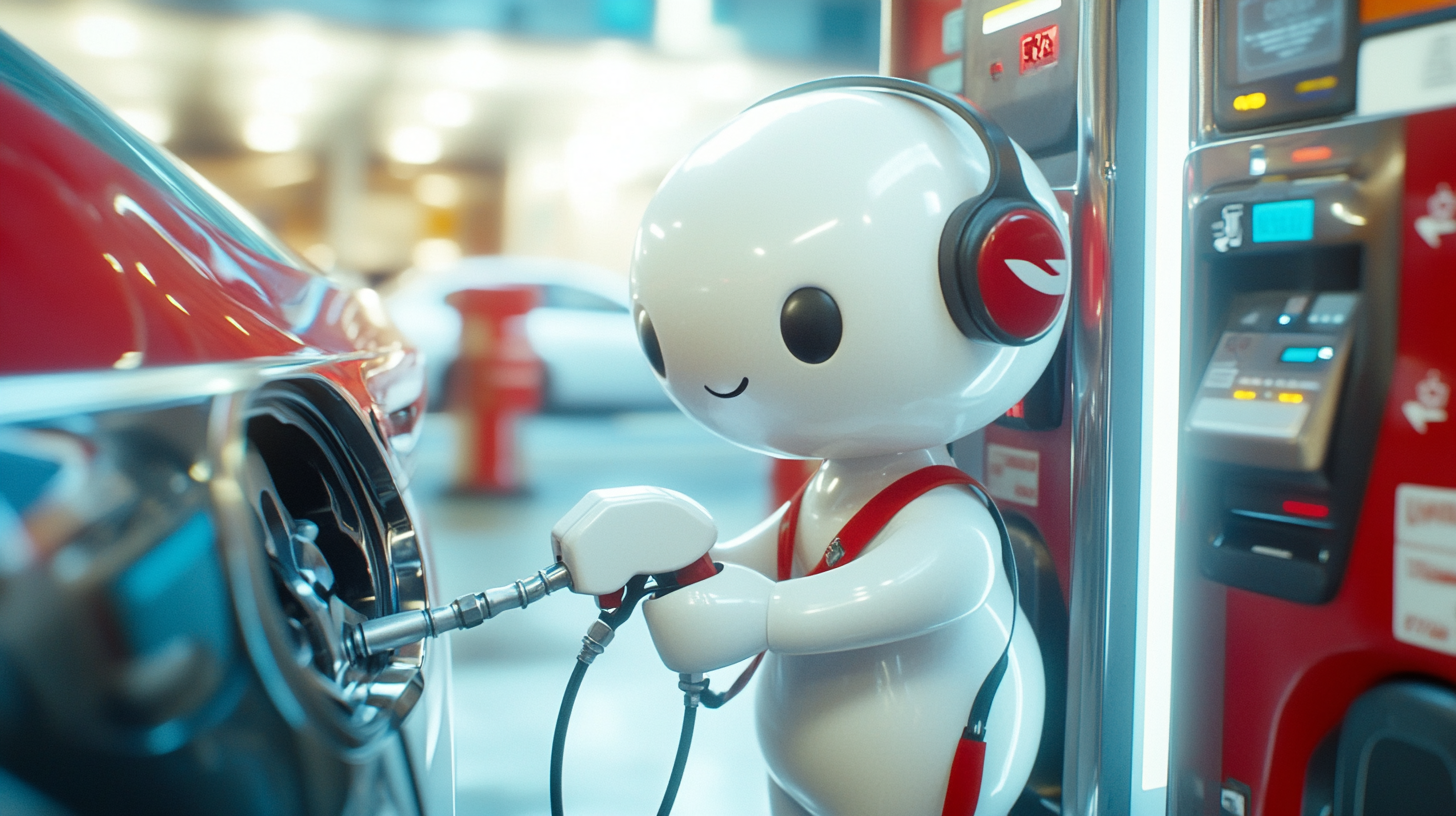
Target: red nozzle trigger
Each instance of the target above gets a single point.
(691, 574)
(699, 570)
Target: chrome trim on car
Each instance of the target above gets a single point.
(27, 397)
(355, 703)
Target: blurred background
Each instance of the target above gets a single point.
(376, 135)
(426, 146)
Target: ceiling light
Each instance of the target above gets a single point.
(153, 124)
(438, 190)
(435, 253)
(284, 170)
(611, 72)
(293, 51)
(473, 67)
(446, 108)
(547, 176)
(270, 133)
(415, 145)
(282, 94)
(107, 35)
(729, 80)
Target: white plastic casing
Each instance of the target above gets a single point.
(847, 191)
(614, 534)
(701, 638)
(872, 666)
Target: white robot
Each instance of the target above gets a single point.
(860, 270)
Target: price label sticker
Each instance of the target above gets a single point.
(1425, 567)
(1013, 474)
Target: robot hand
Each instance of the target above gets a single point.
(713, 623)
(612, 535)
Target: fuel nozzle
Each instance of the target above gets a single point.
(607, 541)
(400, 629)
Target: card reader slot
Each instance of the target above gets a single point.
(1281, 519)
(1263, 552)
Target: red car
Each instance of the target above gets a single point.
(204, 452)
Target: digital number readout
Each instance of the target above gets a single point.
(1284, 221)
(1039, 49)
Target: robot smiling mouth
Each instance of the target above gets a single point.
(731, 394)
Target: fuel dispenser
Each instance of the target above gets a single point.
(1315, 667)
(1020, 63)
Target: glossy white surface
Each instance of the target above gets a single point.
(614, 534)
(692, 632)
(872, 666)
(782, 198)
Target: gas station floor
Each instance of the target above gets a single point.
(511, 671)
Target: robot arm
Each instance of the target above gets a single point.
(756, 549)
(935, 562)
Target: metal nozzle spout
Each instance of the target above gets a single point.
(400, 629)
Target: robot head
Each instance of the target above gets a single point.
(853, 267)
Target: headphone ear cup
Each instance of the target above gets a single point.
(952, 279)
(1003, 270)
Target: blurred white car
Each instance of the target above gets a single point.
(582, 330)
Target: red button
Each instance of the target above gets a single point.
(1022, 270)
(1307, 509)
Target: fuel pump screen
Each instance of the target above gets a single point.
(1279, 37)
(1039, 49)
(1284, 221)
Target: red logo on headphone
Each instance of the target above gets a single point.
(1022, 271)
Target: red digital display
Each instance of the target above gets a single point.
(1039, 49)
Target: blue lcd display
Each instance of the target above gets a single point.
(1306, 354)
(1284, 221)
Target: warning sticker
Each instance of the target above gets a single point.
(1425, 567)
(1012, 473)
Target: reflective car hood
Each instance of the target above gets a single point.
(101, 269)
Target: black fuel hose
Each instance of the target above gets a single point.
(684, 743)
(595, 645)
(558, 741)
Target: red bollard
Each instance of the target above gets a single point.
(498, 380)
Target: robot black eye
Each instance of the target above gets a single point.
(648, 337)
(811, 325)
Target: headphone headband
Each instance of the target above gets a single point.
(999, 150)
(1001, 261)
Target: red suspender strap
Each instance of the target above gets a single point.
(788, 528)
(872, 518)
(963, 789)
(856, 534)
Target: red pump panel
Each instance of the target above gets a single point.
(1293, 669)
(917, 29)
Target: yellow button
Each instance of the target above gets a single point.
(1323, 83)
(1244, 395)
(1288, 397)
(1249, 102)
